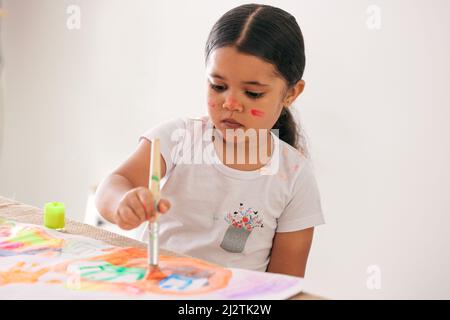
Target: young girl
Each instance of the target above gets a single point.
(244, 213)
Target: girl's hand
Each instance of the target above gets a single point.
(136, 207)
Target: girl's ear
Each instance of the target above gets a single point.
(294, 92)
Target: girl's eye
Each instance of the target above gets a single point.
(250, 94)
(254, 95)
(217, 88)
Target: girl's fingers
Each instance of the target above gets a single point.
(127, 227)
(146, 199)
(163, 205)
(138, 207)
(131, 217)
(123, 221)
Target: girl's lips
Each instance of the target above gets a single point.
(231, 124)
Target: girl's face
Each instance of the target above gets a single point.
(244, 91)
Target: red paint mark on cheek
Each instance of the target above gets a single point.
(257, 113)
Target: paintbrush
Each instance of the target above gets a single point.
(153, 227)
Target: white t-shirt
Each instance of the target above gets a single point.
(224, 215)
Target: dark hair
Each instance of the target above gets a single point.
(273, 35)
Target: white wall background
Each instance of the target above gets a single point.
(375, 109)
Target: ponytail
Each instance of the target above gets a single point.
(288, 131)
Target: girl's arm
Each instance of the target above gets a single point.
(290, 252)
(131, 174)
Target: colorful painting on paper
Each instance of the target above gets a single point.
(54, 265)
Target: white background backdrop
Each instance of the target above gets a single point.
(375, 109)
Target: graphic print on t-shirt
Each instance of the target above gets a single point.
(241, 224)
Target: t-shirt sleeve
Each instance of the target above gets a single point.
(304, 209)
(171, 136)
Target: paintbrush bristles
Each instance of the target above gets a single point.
(154, 273)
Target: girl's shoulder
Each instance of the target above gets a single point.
(203, 120)
(293, 163)
(178, 123)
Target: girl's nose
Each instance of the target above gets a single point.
(232, 104)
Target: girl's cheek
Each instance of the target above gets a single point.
(257, 113)
(212, 104)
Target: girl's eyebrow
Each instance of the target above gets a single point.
(256, 83)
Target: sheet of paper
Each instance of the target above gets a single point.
(39, 263)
